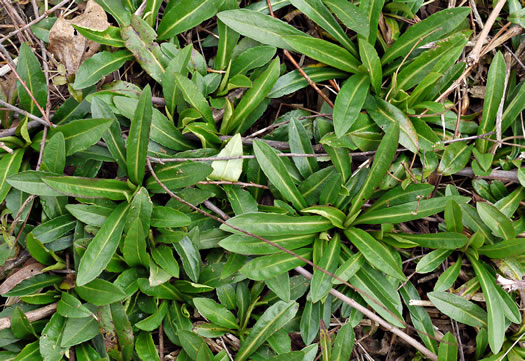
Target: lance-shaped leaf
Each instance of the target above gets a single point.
(495, 305)
(103, 246)
(494, 92)
(215, 312)
(310, 318)
(9, 165)
(184, 15)
(349, 102)
(407, 211)
(78, 330)
(376, 253)
(163, 256)
(29, 70)
(445, 240)
(498, 223)
(99, 65)
(371, 62)
(432, 260)
(384, 157)
(448, 348)
(178, 175)
(227, 38)
(89, 187)
(138, 138)
(153, 321)
(263, 28)
(71, 307)
(334, 215)
(272, 224)
(300, 143)
(329, 259)
(240, 121)
(455, 158)
(292, 81)
(267, 267)
(117, 10)
(432, 28)
(110, 36)
(271, 321)
(229, 170)
(504, 249)
(176, 65)
(191, 259)
(459, 309)
(78, 134)
(50, 339)
(100, 292)
(350, 15)
(244, 244)
(145, 347)
(193, 96)
(344, 343)
(277, 173)
(324, 52)
(134, 247)
(319, 13)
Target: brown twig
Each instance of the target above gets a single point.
(34, 315)
(20, 111)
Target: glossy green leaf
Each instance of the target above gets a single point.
(252, 99)
(30, 352)
(51, 337)
(134, 247)
(168, 217)
(453, 217)
(292, 81)
(344, 343)
(443, 240)
(20, 325)
(110, 36)
(89, 187)
(448, 348)
(244, 244)
(178, 175)
(262, 28)
(310, 321)
(184, 15)
(216, 313)
(153, 321)
(273, 319)
(9, 165)
(193, 96)
(432, 260)
(455, 158)
(240, 200)
(349, 102)
(30, 71)
(31, 182)
(98, 66)
(100, 292)
(138, 138)
(350, 15)
(30, 285)
(498, 223)
(191, 260)
(38, 251)
(102, 247)
(430, 29)
(78, 330)
(459, 309)
(504, 249)
(494, 92)
(447, 278)
(271, 224)
(276, 172)
(117, 10)
(384, 157)
(300, 143)
(145, 347)
(93, 215)
(163, 256)
(377, 254)
(252, 58)
(265, 267)
(370, 60)
(324, 52)
(69, 306)
(334, 215)
(321, 283)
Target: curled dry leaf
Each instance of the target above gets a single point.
(68, 45)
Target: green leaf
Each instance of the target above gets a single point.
(444, 240)
(459, 309)
(145, 347)
(334, 215)
(407, 211)
(448, 348)
(178, 175)
(504, 249)
(153, 321)
(300, 143)
(376, 253)
(384, 157)
(453, 217)
(54, 158)
(349, 268)
(117, 10)
(134, 246)
(38, 251)
(329, 259)
(370, 60)
(102, 247)
(240, 121)
(20, 326)
(252, 58)
(494, 92)
(78, 134)
(168, 217)
(100, 292)
(69, 306)
(349, 102)
(110, 36)
(278, 225)
(98, 66)
(191, 259)
(29, 70)
(9, 165)
(509, 204)
(324, 52)
(244, 244)
(344, 343)
(262, 28)
(178, 64)
(292, 81)
(372, 9)
(78, 330)
(163, 256)
(138, 138)
(447, 278)
(432, 260)
(89, 187)
(513, 107)
(350, 15)
(92, 215)
(240, 200)
(151, 11)
(280, 285)
(51, 337)
(434, 27)
(272, 320)
(498, 223)
(215, 312)
(319, 13)
(29, 353)
(276, 172)
(266, 267)
(455, 158)
(194, 96)
(386, 114)
(310, 319)
(186, 14)
(30, 285)
(229, 170)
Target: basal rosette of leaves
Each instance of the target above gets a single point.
(213, 152)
